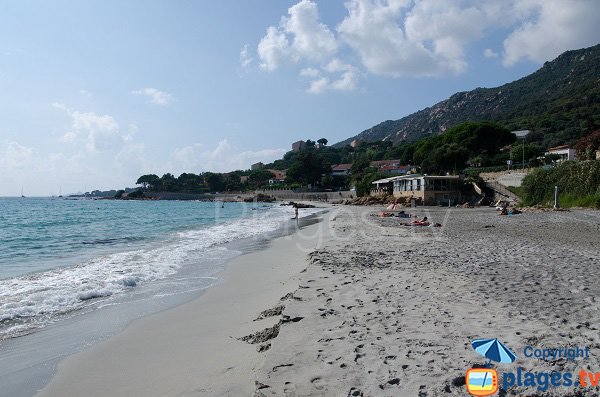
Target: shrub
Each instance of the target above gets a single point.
(578, 182)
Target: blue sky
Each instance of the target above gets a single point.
(96, 93)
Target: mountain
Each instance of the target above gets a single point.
(559, 103)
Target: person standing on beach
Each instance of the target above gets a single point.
(296, 212)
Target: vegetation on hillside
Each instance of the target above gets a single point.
(468, 143)
(559, 103)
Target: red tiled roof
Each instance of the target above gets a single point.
(559, 147)
(341, 167)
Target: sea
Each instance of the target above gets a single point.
(75, 271)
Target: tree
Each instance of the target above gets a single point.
(449, 157)
(323, 141)
(213, 181)
(190, 183)
(451, 150)
(149, 182)
(516, 152)
(359, 166)
(232, 182)
(364, 184)
(259, 177)
(587, 146)
(168, 182)
(308, 168)
(310, 143)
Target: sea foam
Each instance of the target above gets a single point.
(34, 300)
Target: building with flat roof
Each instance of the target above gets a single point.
(424, 189)
(257, 166)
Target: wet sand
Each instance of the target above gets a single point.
(195, 349)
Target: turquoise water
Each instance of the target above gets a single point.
(61, 256)
(39, 234)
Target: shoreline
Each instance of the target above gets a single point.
(195, 347)
(360, 305)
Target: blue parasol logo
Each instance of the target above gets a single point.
(494, 350)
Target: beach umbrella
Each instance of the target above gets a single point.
(494, 350)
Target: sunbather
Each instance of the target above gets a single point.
(422, 222)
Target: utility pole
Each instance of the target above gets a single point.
(523, 155)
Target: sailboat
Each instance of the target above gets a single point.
(60, 192)
(22, 192)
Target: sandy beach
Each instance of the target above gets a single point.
(358, 305)
(390, 310)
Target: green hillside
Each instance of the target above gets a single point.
(559, 103)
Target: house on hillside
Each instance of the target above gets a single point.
(297, 146)
(257, 166)
(425, 189)
(392, 167)
(564, 151)
(341, 169)
(521, 134)
(278, 176)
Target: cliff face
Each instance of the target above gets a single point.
(559, 102)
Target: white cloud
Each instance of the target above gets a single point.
(98, 132)
(272, 49)
(85, 93)
(552, 27)
(131, 161)
(13, 155)
(345, 77)
(245, 57)
(197, 158)
(155, 96)
(319, 85)
(300, 36)
(397, 38)
(425, 38)
(309, 72)
(311, 39)
(489, 53)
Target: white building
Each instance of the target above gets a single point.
(564, 151)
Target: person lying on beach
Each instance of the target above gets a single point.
(403, 214)
(385, 214)
(422, 222)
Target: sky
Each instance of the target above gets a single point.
(94, 94)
